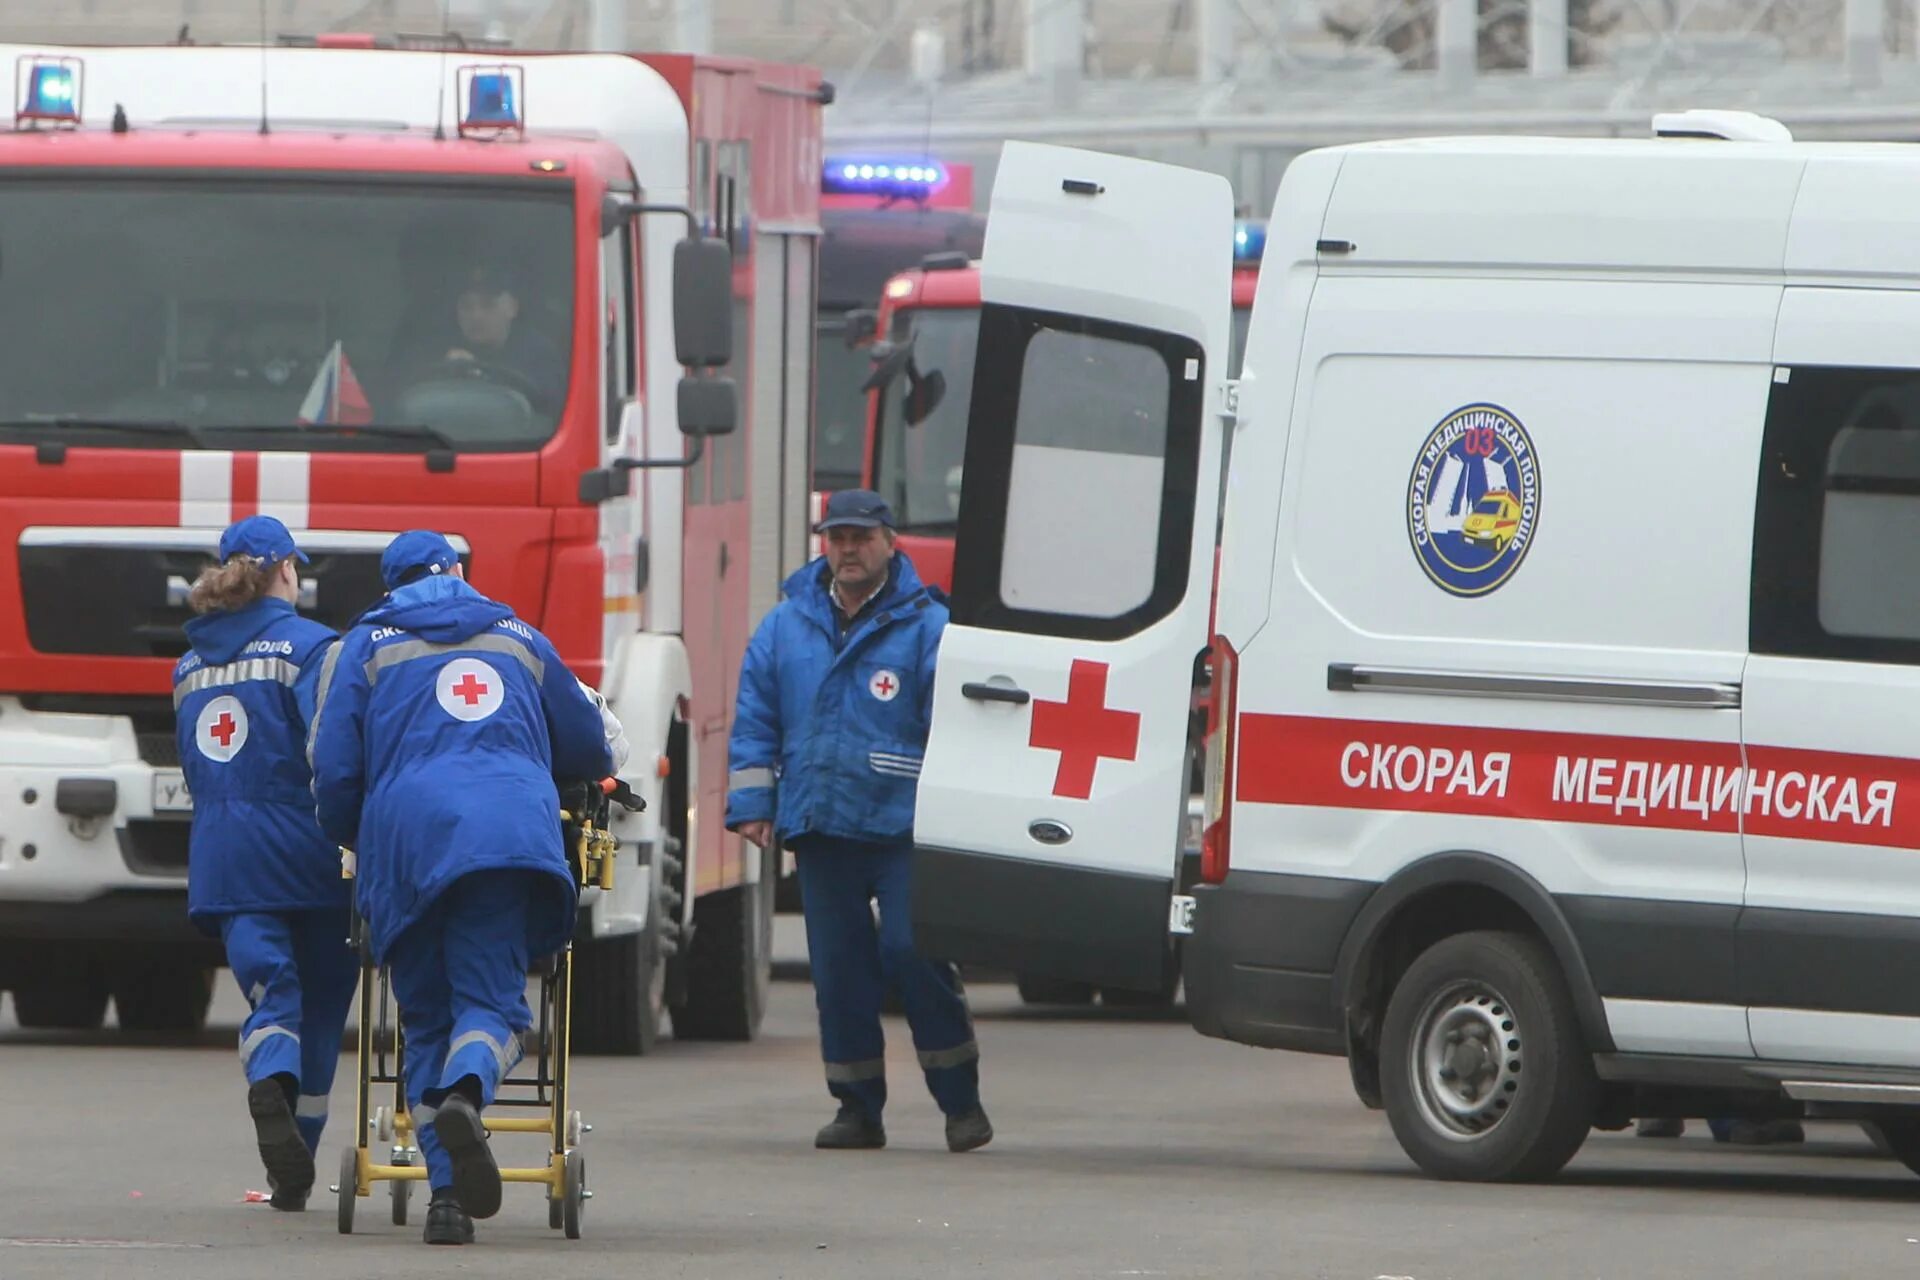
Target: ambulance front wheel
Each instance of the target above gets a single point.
(1483, 1072)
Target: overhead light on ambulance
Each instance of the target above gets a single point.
(910, 179)
(492, 96)
(46, 92)
(1249, 241)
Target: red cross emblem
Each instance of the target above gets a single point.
(884, 685)
(470, 690)
(220, 730)
(224, 728)
(1084, 730)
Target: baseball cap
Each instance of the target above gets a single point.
(262, 537)
(858, 509)
(416, 549)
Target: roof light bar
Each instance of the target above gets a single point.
(907, 179)
(46, 91)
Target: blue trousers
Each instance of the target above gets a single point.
(298, 974)
(459, 975)
(854, 960)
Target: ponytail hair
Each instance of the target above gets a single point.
(236, 584)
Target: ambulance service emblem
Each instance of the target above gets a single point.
(469, 689)
(884, 685)
(221, 729)
(1473, 504)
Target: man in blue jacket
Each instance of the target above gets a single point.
(836, 696)
(442, 722)
(260, 875)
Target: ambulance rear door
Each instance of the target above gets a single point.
(1052, 793)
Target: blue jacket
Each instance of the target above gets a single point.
(441, 723)
(828, 733)
(241, 702)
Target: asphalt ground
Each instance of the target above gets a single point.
(1127, 1146)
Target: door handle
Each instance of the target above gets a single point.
(995, 693)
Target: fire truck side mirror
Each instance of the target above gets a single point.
(708, 406)
(703, 303)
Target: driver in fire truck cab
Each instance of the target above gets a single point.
(486, 339)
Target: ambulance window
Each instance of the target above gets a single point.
(1087, 438)
(1839, 508)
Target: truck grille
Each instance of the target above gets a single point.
(114, 601)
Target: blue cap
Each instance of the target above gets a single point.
(856, 509)
(262, 537)
(416, 549)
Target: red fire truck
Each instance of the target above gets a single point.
(920, 385)
(229, 286)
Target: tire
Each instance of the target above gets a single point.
(620, 989)
(162, 996)
(1901, 1136)
(729, 967)
(1038, 990)
(402, 1192)
(1530, 1103)
(68, 1001)
(348, 1190)
(574, 1206)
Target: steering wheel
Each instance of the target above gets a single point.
(486, 371)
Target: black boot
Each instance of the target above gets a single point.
(282, 1150)
(851, 1130)
(967, 1132)
(447, 1222)
(476, 1178)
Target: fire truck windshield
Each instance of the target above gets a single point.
(266, 313)
(840, 438)
(917, 467)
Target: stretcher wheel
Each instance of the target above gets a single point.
(402, 1192)
(557, 1211)
(576, 1197)
(349, 1187)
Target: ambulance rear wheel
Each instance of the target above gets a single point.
(619, 992)
(1482, 1068)
(162, 995)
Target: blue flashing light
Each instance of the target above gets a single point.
(910, 179)
(52, 93)
(1249, 241)
(490, 102)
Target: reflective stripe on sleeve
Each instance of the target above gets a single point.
(746, 779)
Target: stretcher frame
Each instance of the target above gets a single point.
(381, 1054)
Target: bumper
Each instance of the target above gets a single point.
(1259, 967)
(48, 857)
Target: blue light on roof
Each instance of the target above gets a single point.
(1249, 241)
(911, 179)
(51, 92)
(490, 101)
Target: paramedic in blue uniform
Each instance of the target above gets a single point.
(835, 699)
(259, 872)
(442, 721)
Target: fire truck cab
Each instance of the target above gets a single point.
(233, 283)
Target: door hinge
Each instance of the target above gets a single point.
(1230, 402)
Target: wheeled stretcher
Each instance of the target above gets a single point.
(543, 1099)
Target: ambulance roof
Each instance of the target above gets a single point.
(1682, 205)
(393, 97)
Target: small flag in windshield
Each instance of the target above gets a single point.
(336, 395)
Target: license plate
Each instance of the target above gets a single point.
(1180, 916)
(170, 793)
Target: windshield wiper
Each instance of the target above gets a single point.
(380, 430)
(51, 426)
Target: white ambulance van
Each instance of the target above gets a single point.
(1562, 762)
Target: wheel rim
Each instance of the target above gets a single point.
(1467, 1060)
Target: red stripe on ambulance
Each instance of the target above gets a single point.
(1566, 777)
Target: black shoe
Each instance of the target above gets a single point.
(969, 1132)
(447, 1222)
(476, 1178)
(282, 1150)
(851, 1130)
